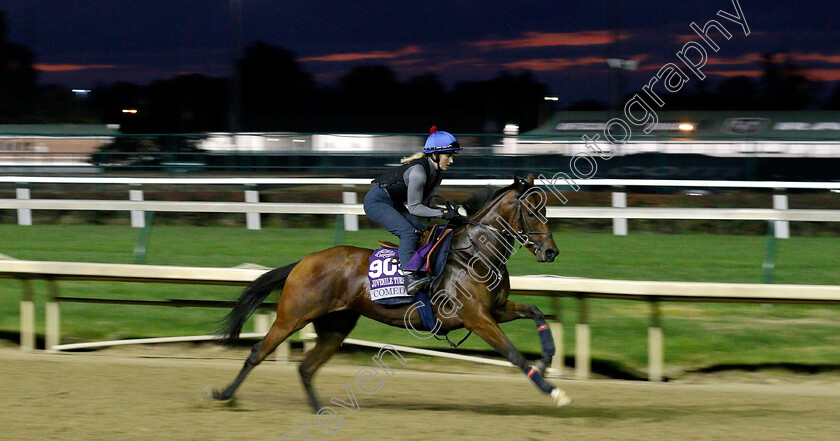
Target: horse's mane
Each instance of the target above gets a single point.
(478, 200)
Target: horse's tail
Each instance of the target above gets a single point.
(250, 300)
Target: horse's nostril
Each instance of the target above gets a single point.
(550, 253)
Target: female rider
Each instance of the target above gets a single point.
(398, 197)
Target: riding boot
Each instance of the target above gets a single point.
(415, 281)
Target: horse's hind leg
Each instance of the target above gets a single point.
(279, 331)
(332, 329)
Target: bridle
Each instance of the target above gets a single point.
(527, 234)
(521, 232)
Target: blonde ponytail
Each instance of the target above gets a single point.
(413, 157)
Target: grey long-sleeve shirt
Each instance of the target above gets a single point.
(415, 180)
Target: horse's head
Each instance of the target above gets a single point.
(527, 203)
(519, 211)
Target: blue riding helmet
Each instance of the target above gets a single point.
(440, 142)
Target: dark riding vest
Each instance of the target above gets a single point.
(392, 181)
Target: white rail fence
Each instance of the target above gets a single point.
(351, 209)
(654, 293)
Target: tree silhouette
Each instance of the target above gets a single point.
(833, 102)
(18, 78)
(188, 104)
(784, 87)
(273, 84)
(507, 98)
(370, 90)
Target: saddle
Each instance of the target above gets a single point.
(425, 238)
(428, 248)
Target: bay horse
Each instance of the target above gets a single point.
(330, 289)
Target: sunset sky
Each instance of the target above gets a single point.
(565, 43)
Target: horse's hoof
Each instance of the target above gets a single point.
(561, 398)
(215, 394)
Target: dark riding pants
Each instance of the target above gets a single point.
(395, 218)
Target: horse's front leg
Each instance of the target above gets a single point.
(512, 311)
(482, 323)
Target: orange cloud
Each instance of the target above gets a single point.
(718, 61)
(816, 56)
(407, 62)
(468, 62)
(356, 56)
(685, 38)
(544, 39)
(548, 64)
(743, 59)
(755, 57)
(811, 74)
(70, 67)
(822, 74)
(737, 73)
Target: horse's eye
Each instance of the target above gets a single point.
(531, 215)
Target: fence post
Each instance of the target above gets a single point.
(769, 263)
(53, 319)
(252, 196)
(780, 202)
(135, 193)
(619, 200)
(351, 221)
(655, 344)
(24, 214)
(582, 359)
(141, 247)
(262, 324)
(309, 337)
(27, 317)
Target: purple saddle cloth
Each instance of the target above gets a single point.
(387, 283)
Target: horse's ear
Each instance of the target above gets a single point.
(522, 183)
(519, 182)
(530, 179)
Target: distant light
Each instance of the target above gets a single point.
(132, 111)
(619, 63)
(298, 140)
(836, 190)
(511, 129)
(686, 127)
(552, 98)
(81, 91)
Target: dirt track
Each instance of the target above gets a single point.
(159, 396)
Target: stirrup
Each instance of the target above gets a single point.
(415, 281)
